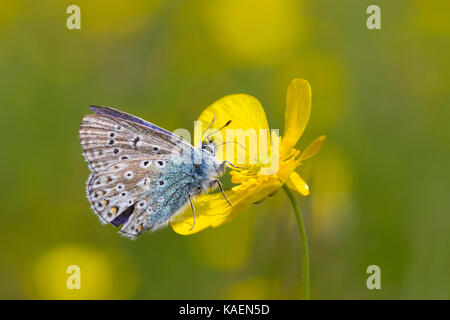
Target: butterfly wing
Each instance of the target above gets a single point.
(125, 116)
(139, 194)
(107, 138)
(129, 158)
(167, 194)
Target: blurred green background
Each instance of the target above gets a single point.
(379, 186)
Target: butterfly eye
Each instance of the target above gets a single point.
(209, 148)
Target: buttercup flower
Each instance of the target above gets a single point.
(255, 181)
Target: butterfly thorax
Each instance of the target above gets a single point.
(207, 168)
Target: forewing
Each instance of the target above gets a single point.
(106, 139)
(126, 116)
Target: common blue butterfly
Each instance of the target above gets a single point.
(141, 174)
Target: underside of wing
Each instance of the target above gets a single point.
(106, 139)
(120, 187)
(128, 117)
(138, 194)
(165, 198)
(140, 172)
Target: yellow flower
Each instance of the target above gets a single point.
(255, 182)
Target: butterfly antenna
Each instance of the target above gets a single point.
(210, 125)
(221, 189)
(239, 144)
(225, 125)
(193, 211)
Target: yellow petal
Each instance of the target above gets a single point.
(209, 209)
(212, 210)
(313, 148)
(295, 182)
(248, 123)
(298, 110)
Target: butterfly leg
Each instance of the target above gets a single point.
(193, 211)
(221, 189)
(232, 165)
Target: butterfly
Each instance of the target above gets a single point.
(143, 175)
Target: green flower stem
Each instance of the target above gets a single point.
(303, 242)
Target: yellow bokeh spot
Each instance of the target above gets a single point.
(255, 31)
(234, 242)
(59, 270)
(432, 17)
(332, 199)
(10, 10)
(116, 17)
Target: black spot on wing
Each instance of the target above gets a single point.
(123, 217)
